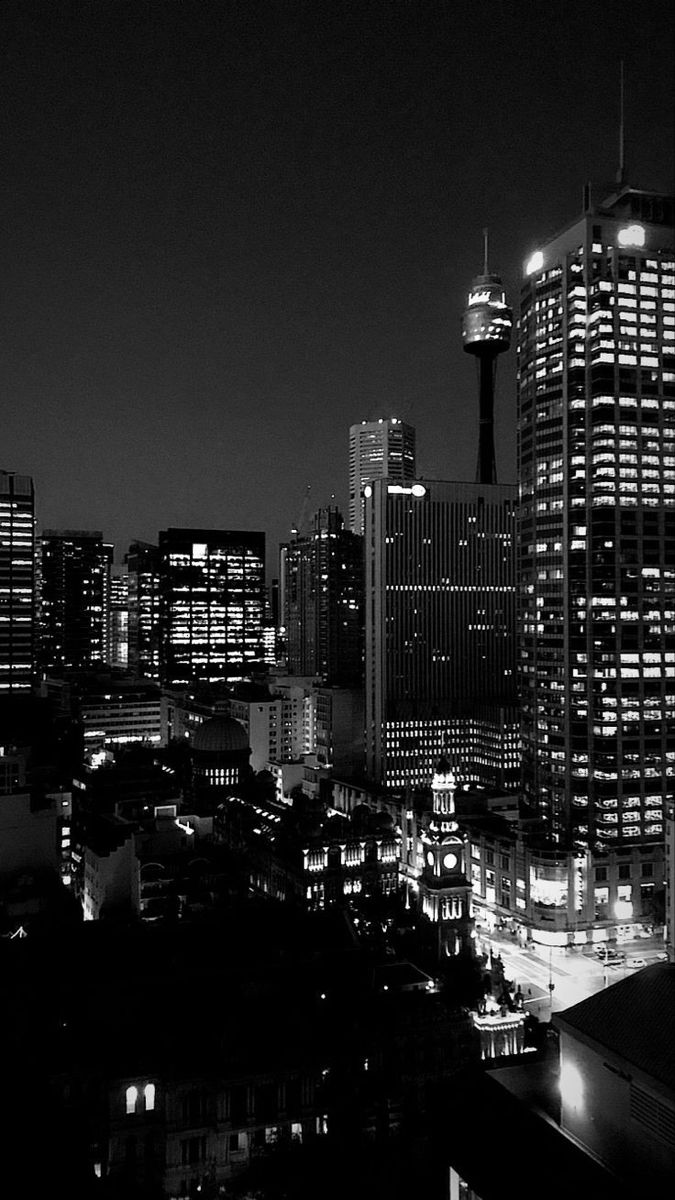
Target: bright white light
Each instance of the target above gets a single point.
(631, 235)
(623, 909)
(199, 550)
(367, 491)
(397, 489)
(535, 263)
(571, 1086)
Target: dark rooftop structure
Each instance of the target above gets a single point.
(635, 1018)
(617, 1076)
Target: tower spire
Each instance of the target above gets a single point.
(486, 333)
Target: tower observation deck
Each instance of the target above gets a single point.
(486, 333)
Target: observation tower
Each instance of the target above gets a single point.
(486, 333)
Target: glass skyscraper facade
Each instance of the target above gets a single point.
(212, 599)
(596, 459)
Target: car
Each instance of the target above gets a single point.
(608, 955)
(635, 963)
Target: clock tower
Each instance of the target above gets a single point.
(445, 891)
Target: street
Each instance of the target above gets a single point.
(575, 973)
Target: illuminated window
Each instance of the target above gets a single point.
(131, 1098)
(149, 1095)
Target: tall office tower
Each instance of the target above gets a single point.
(596, 452)
(75, 599)
(383, 449)
(17, 583)
(440, 632)
(212, 599)
(323, 601)
(486, 333)
(119, 621)
(142, 563)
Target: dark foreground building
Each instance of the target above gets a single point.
(212, 1060)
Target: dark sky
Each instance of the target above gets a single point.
(230, 230)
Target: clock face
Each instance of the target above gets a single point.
(430, 858)
(449, 861)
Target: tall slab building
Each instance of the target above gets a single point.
(142, 562)
(75, 599)
(322, 574)
(440, 631)
(596, 459)
(17, 583)
(212, 599)
(382, 449)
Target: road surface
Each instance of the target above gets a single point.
(575, 974)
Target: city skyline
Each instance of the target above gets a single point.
(178, 258)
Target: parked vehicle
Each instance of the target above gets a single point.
(635, 963)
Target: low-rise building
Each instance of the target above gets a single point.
(617, 1076)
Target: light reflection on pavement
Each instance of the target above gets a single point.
(574, 974)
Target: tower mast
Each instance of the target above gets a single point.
(486, 333)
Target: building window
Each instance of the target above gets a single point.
(149, 1096)
(624, 870)
(131, 1098)
(193, 1150)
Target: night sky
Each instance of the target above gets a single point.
(230, 230)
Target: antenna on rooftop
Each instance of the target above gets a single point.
(485, 251)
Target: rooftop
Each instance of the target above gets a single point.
(634, 1019)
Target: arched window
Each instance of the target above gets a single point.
(149, 1095)
(132, 1097)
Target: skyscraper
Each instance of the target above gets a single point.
(17, 583)
(142, 561)
(382, 449)
(75, 599)
(440, 631)
(323, 601)
(119, 621)
(212, 598)
(596, 452)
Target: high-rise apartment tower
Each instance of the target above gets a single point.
(382, 449)
(596, 459)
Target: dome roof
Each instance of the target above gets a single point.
(220, 735)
